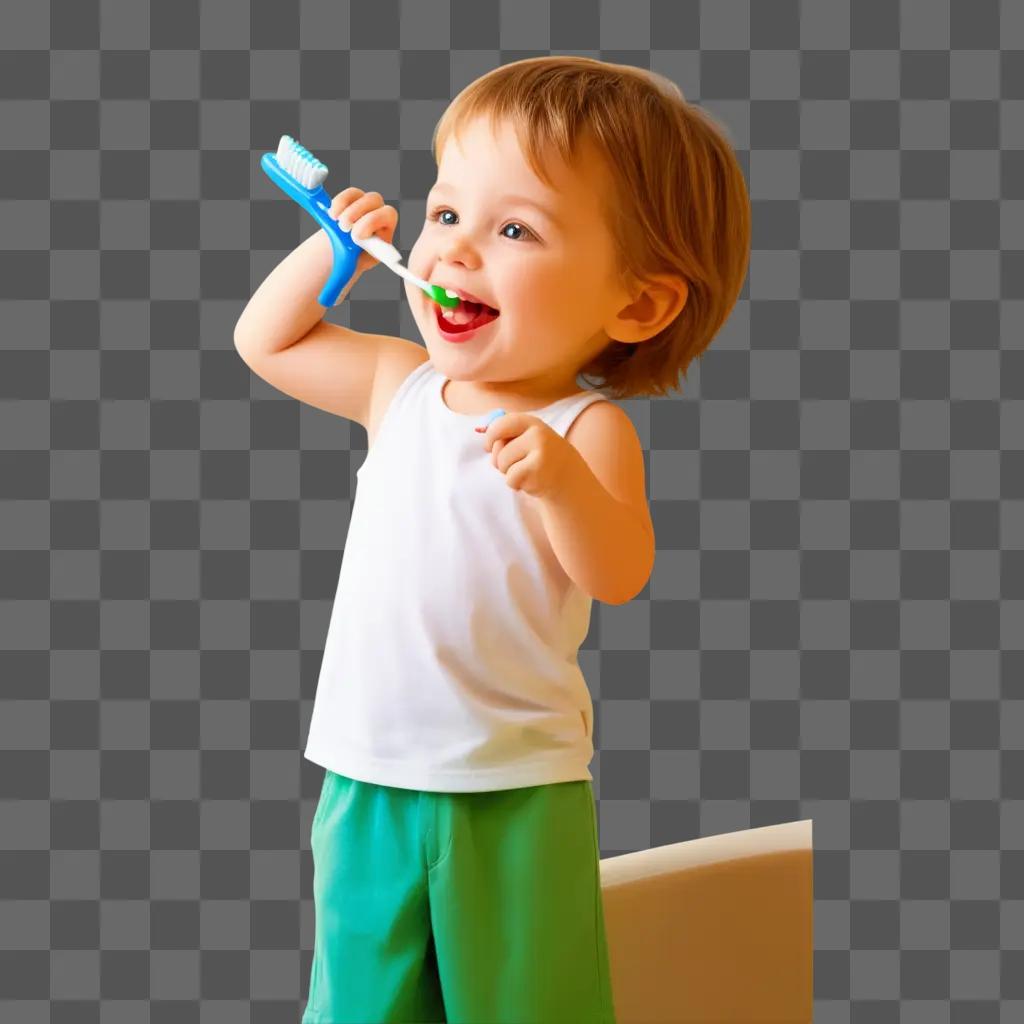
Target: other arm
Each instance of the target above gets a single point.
(599, 524)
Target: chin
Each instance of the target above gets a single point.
(449, 364)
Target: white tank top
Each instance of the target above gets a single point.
(450, 662)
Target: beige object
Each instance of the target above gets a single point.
(717, 930)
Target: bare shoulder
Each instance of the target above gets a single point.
(606, 438)
(394, 366)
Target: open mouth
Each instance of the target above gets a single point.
(467, 316)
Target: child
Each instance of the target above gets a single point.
(606, 222)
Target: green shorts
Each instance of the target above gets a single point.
(471, 908)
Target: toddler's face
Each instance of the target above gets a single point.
(550, 274)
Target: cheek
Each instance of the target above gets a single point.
(417, 262)
(540, 288)
(549, 306)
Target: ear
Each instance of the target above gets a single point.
(659, 301)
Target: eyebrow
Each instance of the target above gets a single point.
(514, 198)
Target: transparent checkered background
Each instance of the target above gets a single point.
(834, 625)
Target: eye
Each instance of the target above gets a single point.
(436, 213)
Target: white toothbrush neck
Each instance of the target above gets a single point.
(409, 276)
(383, 252)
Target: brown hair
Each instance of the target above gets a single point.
(680, 205)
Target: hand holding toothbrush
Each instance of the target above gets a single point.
(300, 175)
(363, 214)
(371, 224)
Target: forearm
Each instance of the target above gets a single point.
(600, 542)
(285, 307)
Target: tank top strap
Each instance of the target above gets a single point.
(561, 418)
(423, 371)
(404, 394)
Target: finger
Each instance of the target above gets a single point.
(519, 472)
(510, 453)
(364, 204)
(343, 198)
(508, 426)
(495, 452)
(488, 429)
(381, 222)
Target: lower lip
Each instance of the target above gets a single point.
(461, 336)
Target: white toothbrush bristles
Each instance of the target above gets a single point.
(297, 161)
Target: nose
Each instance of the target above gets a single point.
(456, 248)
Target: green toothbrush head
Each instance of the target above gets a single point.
(438, 294)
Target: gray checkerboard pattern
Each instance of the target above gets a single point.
(834, 626)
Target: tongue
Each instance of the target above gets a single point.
(464, 312)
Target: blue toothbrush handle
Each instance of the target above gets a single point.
(346, 256)
(317, 203)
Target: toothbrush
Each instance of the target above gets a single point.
(300, 176)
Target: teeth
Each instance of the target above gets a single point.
(462, 298)
(297, 161)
